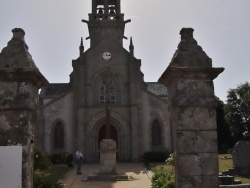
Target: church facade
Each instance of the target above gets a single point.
(106, 97)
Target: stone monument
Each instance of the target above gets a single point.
(189, 79)
(20, 80)
(241, 157)
(108, 157)
(108, 164)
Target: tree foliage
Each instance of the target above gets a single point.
(238, 111)
(225, 140)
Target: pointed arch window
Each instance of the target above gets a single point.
(156, 133)
(107, 90)
(59, 135)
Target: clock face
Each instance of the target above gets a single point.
(106, 55)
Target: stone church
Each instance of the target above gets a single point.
(106, 97)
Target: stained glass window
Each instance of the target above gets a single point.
(107, 90)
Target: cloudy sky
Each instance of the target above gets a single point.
(53, 30)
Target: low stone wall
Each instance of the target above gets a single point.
(237, 186)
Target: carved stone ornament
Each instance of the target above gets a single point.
(107, 144)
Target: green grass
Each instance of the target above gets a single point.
(56, 172)
(159, 167)
(225, 163)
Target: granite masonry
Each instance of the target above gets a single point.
(141, 119)
(241, 159)
(20, 80)
(189, 79)
(108, 157)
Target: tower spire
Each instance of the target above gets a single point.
(81, 47)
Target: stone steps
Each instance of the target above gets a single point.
(230, 172)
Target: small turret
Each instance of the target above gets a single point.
(131, 47)
(81, 47)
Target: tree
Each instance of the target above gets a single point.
(225, 140)
(237, 111)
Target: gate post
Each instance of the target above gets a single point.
(189, 79)
(20, 80)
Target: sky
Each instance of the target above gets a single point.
(53, 30)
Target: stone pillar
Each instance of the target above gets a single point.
(108, 157)
(189, 79)
(20, 80)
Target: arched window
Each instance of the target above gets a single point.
(156, 133)
(59, 135)
(107, 90)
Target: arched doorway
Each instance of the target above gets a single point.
(113, 135)
(102, 134)
(96, 132)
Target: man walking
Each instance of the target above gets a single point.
(79, 158)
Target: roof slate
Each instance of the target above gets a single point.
(54, 90)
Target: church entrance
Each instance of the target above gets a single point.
(119, 133)
(102, 134)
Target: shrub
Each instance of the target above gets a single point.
(151, 156)
(223, 149)
(163, 179)
(69, 160)
(41, 181)
(62, 158)
(41, 161)
(58, 158)
(170, 159)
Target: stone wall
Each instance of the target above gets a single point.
(60, 109)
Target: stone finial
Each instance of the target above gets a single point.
(18, 33)
(186, 33)
(131, 46)
(189, 53)
(81, 47)
(16, 54)
(131, 41)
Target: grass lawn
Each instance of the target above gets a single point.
(225, 162)
(55, 173)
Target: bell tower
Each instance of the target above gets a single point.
(106, 22)
(106, 9)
